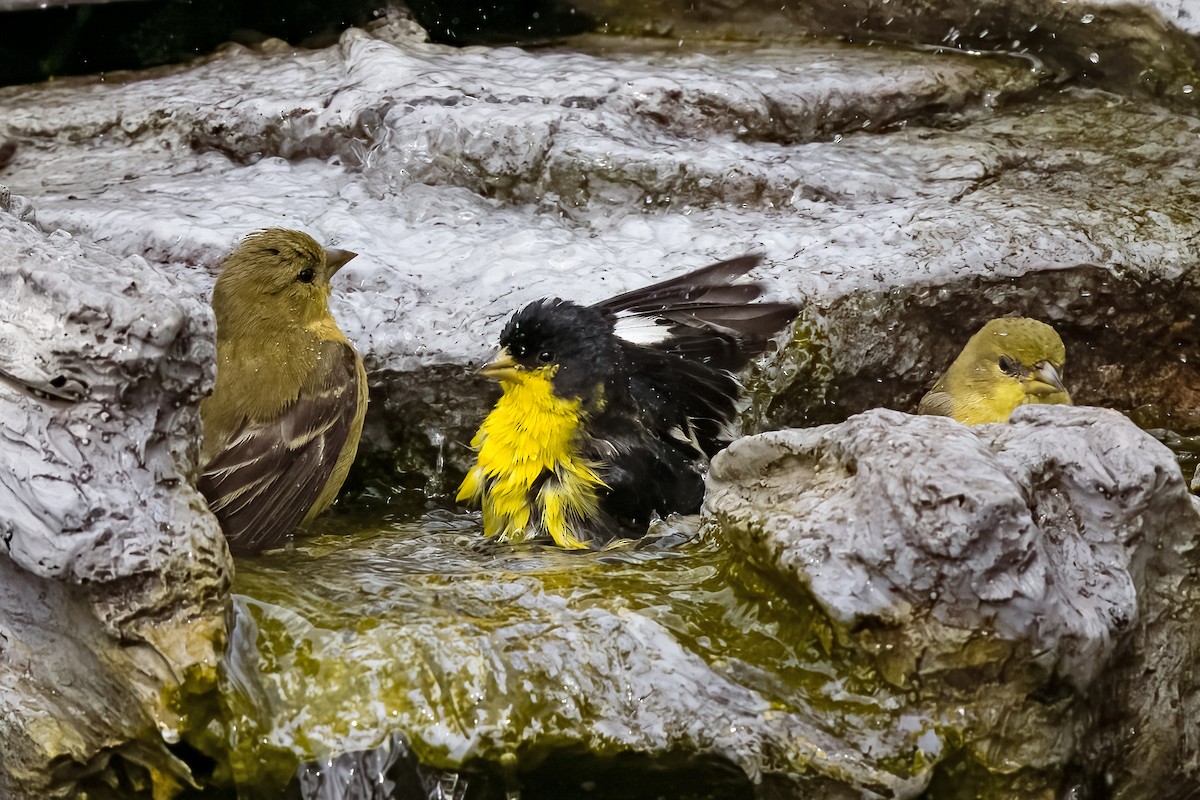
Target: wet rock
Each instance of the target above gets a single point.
(902, 197)
(76, 704)
(1145, 741)
(108, 554)
(488, 657)
(1144, 47)
(997, 571)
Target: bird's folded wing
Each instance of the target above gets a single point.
(937, 402)
(263, 482)
(684, 400)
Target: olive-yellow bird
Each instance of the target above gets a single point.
(610, 412)
(1008, 363)
(282, 425)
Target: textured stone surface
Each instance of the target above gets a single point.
(474, 180)
(1145, 48)
(1145, 741)
(902, 196)
(102, 362)
(73, 700)
(1025, 554)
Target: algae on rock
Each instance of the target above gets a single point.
(115, 577)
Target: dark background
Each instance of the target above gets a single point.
(39, 44)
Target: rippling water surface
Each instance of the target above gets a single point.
(479, 650)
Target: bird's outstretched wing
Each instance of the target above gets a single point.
(269, 474)
(680, 341)
(702, 316)
(655, 442)
(685, 336)
(713, 283)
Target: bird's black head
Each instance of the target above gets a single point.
(573, 345)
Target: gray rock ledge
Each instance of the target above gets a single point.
(108, 553)
(1019, 555)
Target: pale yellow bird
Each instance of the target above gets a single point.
(1010, 362)
(282, 425)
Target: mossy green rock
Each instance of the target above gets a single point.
(480, 653)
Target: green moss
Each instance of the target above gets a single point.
(356, 631)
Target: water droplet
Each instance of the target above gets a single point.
(1187, 88)
(1094, 58)
(1087, 18)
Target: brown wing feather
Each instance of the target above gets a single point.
(707, 285)
(269, 474)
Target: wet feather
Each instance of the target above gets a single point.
(595, 434)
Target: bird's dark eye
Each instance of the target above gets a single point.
(545, 356)
(306, 275)
(1009, 366)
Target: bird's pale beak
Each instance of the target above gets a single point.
(336, 259)
(502, 368)
(1045, 380)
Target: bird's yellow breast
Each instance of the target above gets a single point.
(996, 404)
(987, 396)
(529, 476)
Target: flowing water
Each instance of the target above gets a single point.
(480, 650)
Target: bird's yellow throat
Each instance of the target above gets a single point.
(528, 461)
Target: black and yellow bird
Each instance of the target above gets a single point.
(282, 425)
(610, 412)
(1009, 362)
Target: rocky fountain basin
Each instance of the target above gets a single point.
(822, 633)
